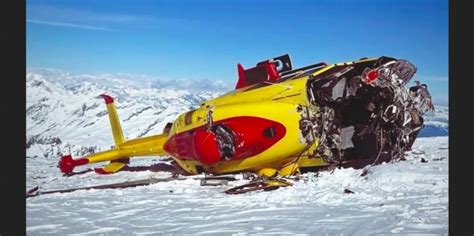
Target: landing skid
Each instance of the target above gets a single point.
(256, 185)
(216, 180)
(159, 167)
(128, 184)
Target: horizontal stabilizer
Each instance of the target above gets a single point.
(111, 168)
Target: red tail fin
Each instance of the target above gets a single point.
(242, 80)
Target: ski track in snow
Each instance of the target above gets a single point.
(408, 197)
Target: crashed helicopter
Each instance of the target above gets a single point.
(280, 121)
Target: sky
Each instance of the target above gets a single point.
(205, 39)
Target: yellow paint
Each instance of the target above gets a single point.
(311, 162)
(276, 102)
(268, 172)
(188, 166)
(115, 124)
(278, 183)
(148, 146)
(289, 169)
(289, 91)
(114, 167)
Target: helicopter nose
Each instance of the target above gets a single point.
(206, 147)
(198, 144)
(230, 139)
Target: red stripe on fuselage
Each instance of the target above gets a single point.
(252, 136)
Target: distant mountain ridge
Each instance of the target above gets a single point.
(64, 110)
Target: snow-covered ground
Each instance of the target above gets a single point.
(64, 115)
(404, 197)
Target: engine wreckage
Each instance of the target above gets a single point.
(365, 113)
(281, 121)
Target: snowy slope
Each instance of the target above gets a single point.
(65, 115)
(409, 197)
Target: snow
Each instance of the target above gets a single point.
(436, 123)
(407, 197)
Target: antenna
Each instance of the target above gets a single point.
(209, 119)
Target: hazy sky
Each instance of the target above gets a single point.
(206, 39)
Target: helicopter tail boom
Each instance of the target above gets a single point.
(119, 156)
